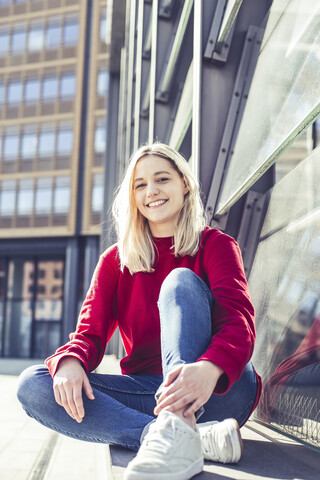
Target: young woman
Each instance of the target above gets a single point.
(177, 291)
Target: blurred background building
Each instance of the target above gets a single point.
(234, 85)
(53, 101)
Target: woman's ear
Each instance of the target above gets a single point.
(186, 186)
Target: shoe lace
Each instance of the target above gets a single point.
(208, 443)
(161, 436)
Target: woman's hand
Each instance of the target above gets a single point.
(68, 382)
(189, 384)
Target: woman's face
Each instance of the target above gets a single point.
(159, 193)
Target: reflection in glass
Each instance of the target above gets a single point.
(61, 201)
(285, 290)
(48, 309)
(103, 82)
(25, 197)
(2, 91)
(46, 143)
(49, 88)
(32, 90)
(70, 32)
(67, 86)
(10, 146)
(28, 145)
(35, 38)
(47, 338)
(53, 34)
(14, 92)
(43, 199)
(289, 61)
(64, 141)
(18, 38)
(100, 139)
(4, 41)
(7, 198)
(97, 192)
(103, 26)
(17, 339)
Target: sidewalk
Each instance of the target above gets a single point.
(29, 451)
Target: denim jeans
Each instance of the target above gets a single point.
(124, 404)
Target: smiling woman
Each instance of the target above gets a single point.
(177, 291)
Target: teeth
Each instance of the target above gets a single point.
(158, 202)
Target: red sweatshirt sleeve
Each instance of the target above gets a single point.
(233, 327)
(97, 319)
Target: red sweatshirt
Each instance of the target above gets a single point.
(130, 302)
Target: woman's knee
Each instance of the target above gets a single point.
(179, 280)
(33, 383)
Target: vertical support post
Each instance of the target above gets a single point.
(197, 67)
(138, 70)
(153, 68)
(71, 279)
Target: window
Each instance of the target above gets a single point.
(18, 38)
(70, 32)
(4, 2)
(43, 196)
(61, 201)
(64, 141)
(7, 198)
(46, 143)
(11, 145)
(32, 90)
(102, 82)
(53, 34)
(97, 193)
(14, 93)
(49, 88)
(25, 197)
(2, 91)
(35, 38)
(4, 41)
(100, 141)
(28, 145)
(103, 26)
(67, 85)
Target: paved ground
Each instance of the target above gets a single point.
(29, 451)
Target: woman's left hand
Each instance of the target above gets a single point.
(189, 384)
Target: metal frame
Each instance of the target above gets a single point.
(239, 96)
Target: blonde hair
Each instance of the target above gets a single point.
(136, 247)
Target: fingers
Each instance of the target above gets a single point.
(174, 402)
(88, 389)
(172, 376)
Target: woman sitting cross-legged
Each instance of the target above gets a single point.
(177, 291)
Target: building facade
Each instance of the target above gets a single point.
(234, 85)
(53, 104)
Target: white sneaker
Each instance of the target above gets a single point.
(170, 450)
(221, 441)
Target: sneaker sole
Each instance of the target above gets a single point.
(190, 472)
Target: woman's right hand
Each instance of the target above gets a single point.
(68, 382)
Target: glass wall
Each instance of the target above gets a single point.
(31, 305)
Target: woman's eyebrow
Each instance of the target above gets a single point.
(155, 174)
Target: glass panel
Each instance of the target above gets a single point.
(49, 282)
(7, 198)
(70, 32)
(21, 279)
(103, 26)
(61, 202)
(28, 145)
(32, 90)
(3, 280)
(228, 19)
(4, 41)
(17, 338)
(49, 88)
(25, 197)
(18, 39)
(53, 35)
(100, 139)
(102, 82)
(14, 93)
(67, 86)
(46, 143)
(2, 91)
(285, 290)
(97, 192)
(35, 38)
(49, 310)
(289, 62)
(65, 141)
(47, 339)
(43, 199)
(10, 146)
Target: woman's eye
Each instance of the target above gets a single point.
(163, 179)
(140, 185)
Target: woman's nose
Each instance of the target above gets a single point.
(152, 189)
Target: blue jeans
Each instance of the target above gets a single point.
(124, 404)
